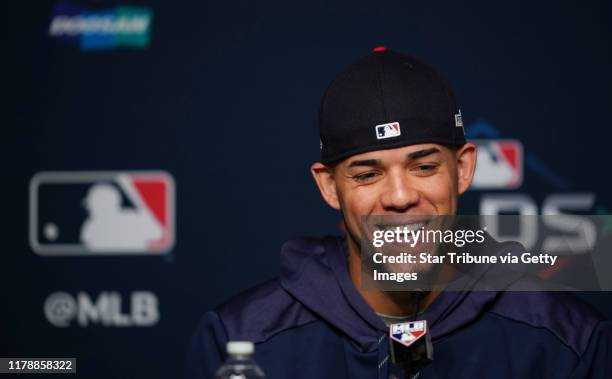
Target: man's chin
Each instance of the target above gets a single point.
(419, 268)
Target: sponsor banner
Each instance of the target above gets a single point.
(503, 164)
(94, 213)
(101, 29)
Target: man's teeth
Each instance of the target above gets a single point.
(393, 228)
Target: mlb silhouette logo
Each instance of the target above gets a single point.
(388, 130)
(408, 333)
(94, 213)
(499, 164)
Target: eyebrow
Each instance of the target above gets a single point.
(365, 162)
(411, 156)
(422, 153)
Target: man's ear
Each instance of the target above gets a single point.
(466, 166)
(324, 177)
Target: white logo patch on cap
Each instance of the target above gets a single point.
(389, 130)
(459, 120)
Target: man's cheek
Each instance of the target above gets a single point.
(365, 198)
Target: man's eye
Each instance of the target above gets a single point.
(365, 177)
(426, 168)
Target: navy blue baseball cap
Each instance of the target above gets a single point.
(387, 100)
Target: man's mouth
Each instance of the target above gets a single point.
(402, 226)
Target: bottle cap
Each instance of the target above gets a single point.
(240, 347)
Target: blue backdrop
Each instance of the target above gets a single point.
(223, 96)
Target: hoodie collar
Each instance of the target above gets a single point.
(315, 272)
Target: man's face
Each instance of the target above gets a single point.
(416, 180)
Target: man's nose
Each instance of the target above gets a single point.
(399, 195)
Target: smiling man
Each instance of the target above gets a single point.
(392, 144)
(415, 180)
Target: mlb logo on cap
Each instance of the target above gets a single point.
(500, 164)
(388, 130)
(93, 213)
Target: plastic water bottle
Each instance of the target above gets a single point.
(240, 363)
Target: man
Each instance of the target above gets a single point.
(392, 143)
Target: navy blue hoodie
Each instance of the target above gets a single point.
(312, 323)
